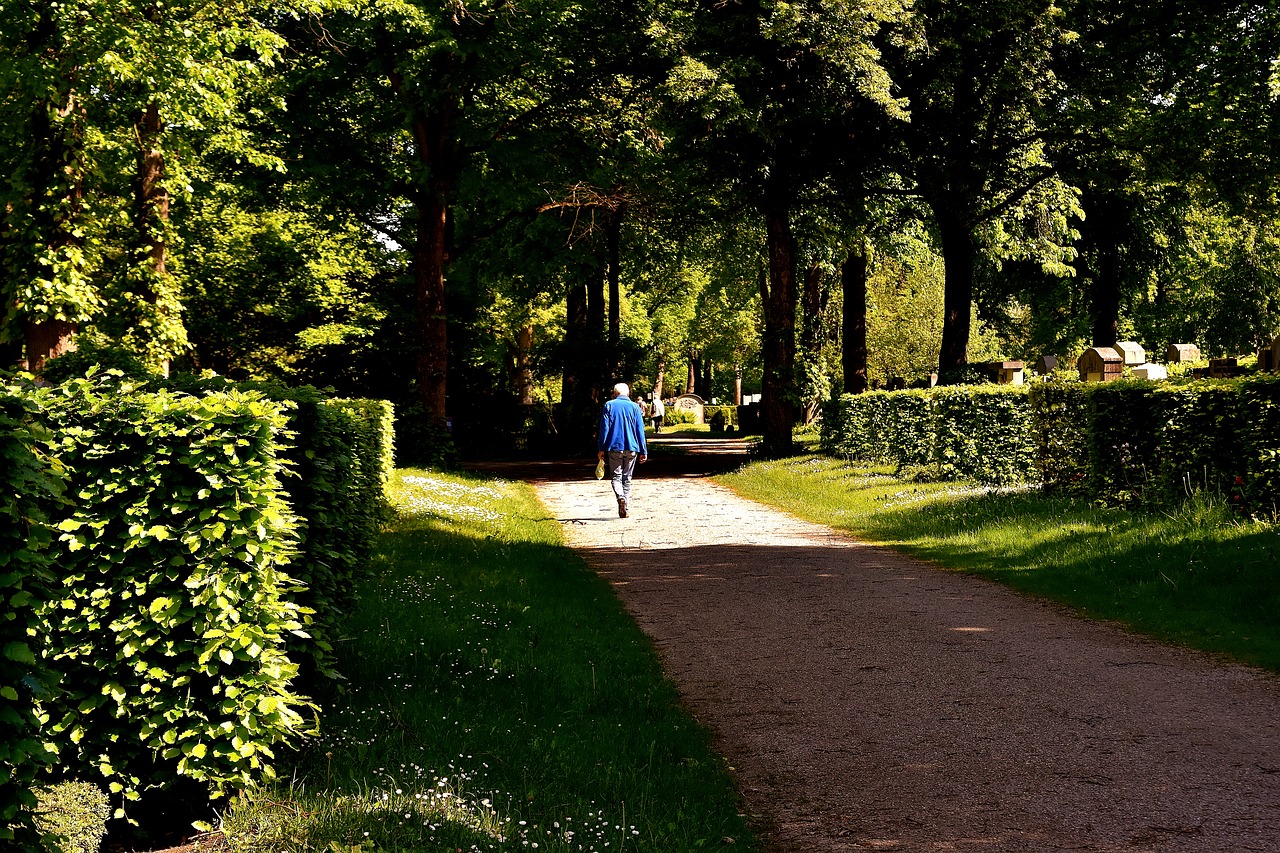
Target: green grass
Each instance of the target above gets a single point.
(1196, 576)
(499, 698)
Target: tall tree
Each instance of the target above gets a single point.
(973, 146)
(765, 75)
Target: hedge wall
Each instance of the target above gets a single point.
(339, 459)
(169, 625)
(984, 433)
(27, 485)
(1126, 442)
(181, 526)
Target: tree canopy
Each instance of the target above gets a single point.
(490, 211)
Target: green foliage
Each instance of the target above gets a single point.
(983, 433)
(719, 417)
(1261, 445)
(338, 457)
(672, 416)
(29, 486)
(1201, 437)
(90, 354)
(76, 813)
(979, 432)
(501, 697)
(170, 623)
(1059, 411)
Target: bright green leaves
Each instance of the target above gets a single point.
(161, 608)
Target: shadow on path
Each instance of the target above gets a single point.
(870, 701)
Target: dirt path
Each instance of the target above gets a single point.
(871, 702)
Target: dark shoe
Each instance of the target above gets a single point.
(622, 507)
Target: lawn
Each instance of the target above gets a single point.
(1196, 575)
(498, 698)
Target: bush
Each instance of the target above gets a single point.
(720, 417)
(94, 357)
(1059, 414)
(28, 486)
(170, 626)
(984, 433)
(675, 416)
(339, 459)
(76, 813)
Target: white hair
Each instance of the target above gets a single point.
(622, 390)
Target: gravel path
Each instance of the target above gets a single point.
(868, 701)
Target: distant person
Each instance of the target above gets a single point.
(620, 443)
(659, 413)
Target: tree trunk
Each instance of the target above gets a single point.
(597, 333)
(853, 280)
(47, 340)
(152, 206)
(779, 344)
(1105, 228)
(524, 366)
(55, 195)
(737, 384)
(575, 333)
(811, 310)
(659, 377)
(959, 253)
(708, 378)
(434, 144)
(614, 237)
(691, 377)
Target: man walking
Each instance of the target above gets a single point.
(621, 443)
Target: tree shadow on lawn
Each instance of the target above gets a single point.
(1211, 585)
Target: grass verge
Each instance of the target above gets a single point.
(1197, 576)
(499, 698)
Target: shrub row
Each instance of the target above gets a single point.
(26, 485)
(1121, 442)
(975, 432)
(200, 539)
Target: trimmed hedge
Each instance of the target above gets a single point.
(339, 457)
(984, 433)
(1125, 442)
(169, 626)
(172, 621)
(28, 485)
(728, 413)
(1058, 412)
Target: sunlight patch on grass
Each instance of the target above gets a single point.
(498, 698)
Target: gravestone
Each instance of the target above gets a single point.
(1151, 371)
(1223, 368)
(691, 403)
(897, 383)
(1008, 372)
(1046, 364)
(1100, 364)
(1132, 353)
(1182, 353)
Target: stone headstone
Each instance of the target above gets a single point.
(1046, 364)
(691, 403)
(1223, 368)
(1132, 353)
(1181, 353)
(897, 383)
(1151, 371)
(1009, 372)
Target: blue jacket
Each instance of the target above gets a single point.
(622, 427)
